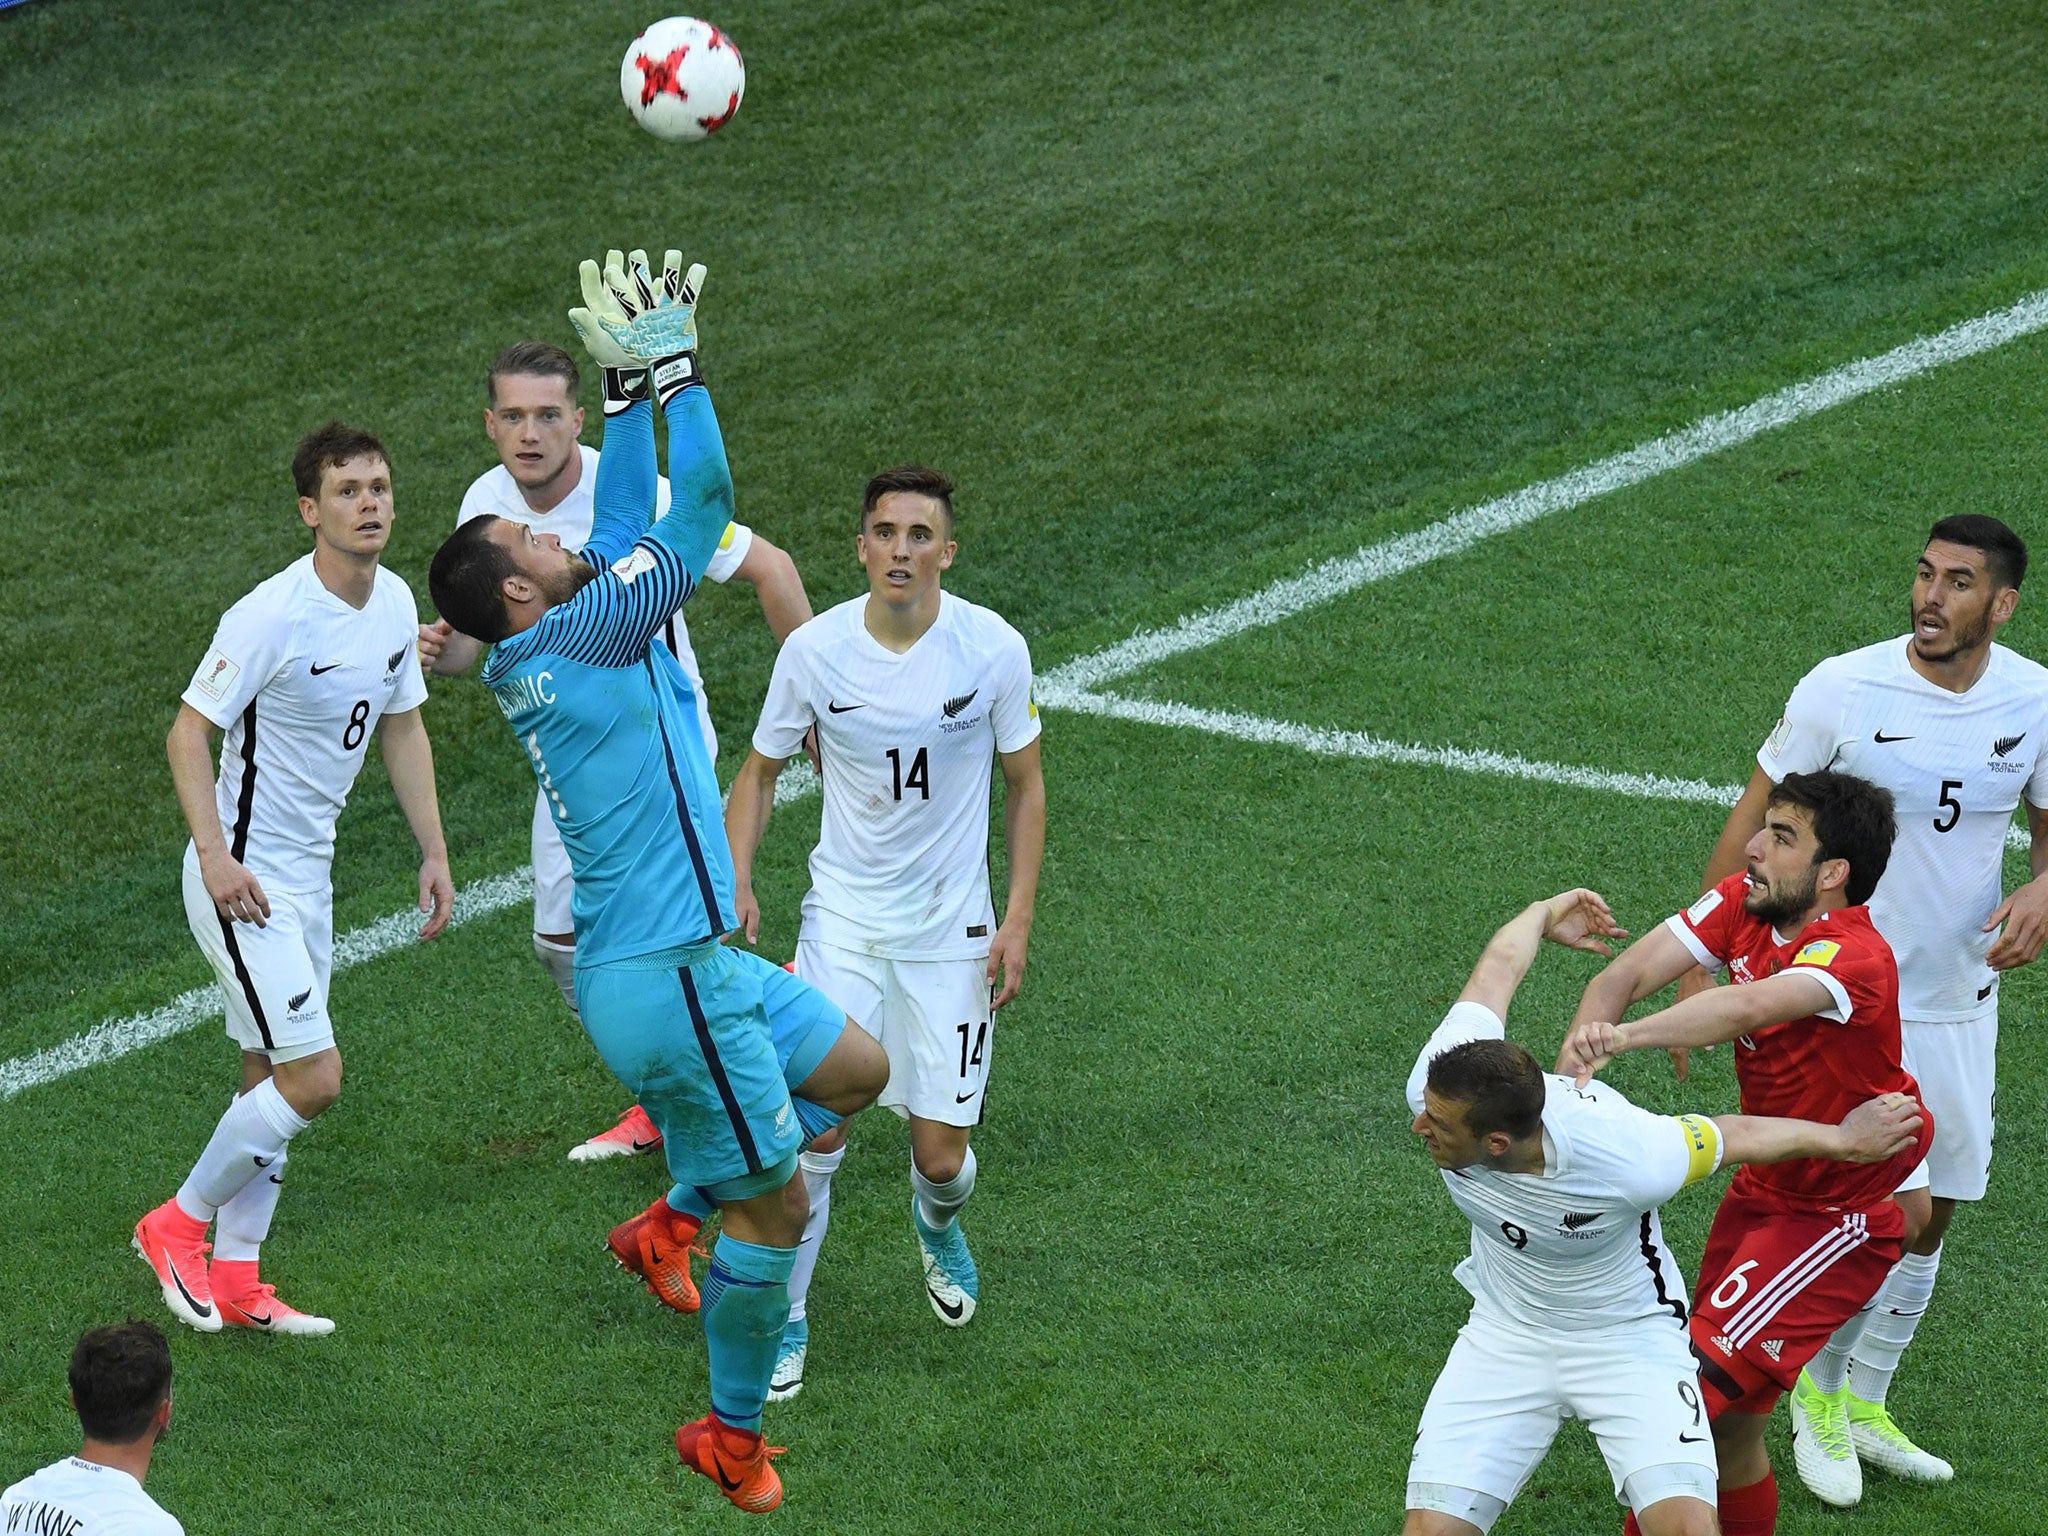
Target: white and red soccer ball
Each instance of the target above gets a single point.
(682, 79)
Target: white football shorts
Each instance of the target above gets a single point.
(931, 1016)
(1506, 1389)
(1956, 1066)
(554, 888)
(273, 979)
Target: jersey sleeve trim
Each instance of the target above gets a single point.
(1704, 1148)
(1706, 957)
(1843, 1010)
(1466, 1021)
(731, 553)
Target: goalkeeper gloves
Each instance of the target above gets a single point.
(631, 324)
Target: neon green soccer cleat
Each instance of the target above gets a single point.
(1887, 1447)
(1821, 1447)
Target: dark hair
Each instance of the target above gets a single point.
(332, 442)
(1498, 1082)
(1852, 819)
(542, 359)
(2005, 552)
(467, 580)
(918, 478)
(120, 1376)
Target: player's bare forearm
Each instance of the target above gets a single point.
(1506, 959)
(409, 759)
(1875, 1130)
(1023, 832)
(190, 749)
(446, 651)
(1727, 1013)
(776, 582)
(747, 810)
(1651, 963)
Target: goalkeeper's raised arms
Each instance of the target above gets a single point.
(629, 321)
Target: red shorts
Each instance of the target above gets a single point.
(1774, 1286)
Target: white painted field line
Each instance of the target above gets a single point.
(1325, 742)
(115, 1038)
(1709, 435)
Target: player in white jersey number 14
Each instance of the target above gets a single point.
(914, 694)
(302, 672)
(1578, 1307)
(1955, 726)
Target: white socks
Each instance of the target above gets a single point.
(938, 1204)
(818, 1168)
(1830, 1368)
(248, 1141)
(560, 960)
(245, 1220)
(1900, 1305)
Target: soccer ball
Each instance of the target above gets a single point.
(682, 79)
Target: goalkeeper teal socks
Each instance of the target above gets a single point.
(746, 1302)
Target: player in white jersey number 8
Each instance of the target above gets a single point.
(1578, 1306)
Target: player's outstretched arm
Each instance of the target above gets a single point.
(1873, 1131)
(747, 810)
(409, 759)
(236, 892)
(1710, 1018)
(1577, 919)
(1024, 843)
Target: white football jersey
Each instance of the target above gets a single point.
(75, 1497)
(298, 680)
(1957, 765)
(496, 492)
(901, 866)
(1578, 1245)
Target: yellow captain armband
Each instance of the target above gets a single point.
(1702, 1145)
(725, 539)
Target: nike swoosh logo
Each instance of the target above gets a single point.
(179, 1281)
(328, 668)
(262, 1162)
(730, 1485)
(952, 1310)
(840, 709)
(1691, 1439)
(1986, 992)
(962, 1098)
(1883, 739)
(645, 1146)
(260, 1322)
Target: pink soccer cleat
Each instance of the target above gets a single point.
(634, 1134)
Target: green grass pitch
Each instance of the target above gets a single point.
(1186, 298)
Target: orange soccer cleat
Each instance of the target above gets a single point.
(246, 1302)
(174, 1246)
(655, 1245)
(736, 1459)
(634, 1134)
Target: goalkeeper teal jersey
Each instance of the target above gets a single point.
(608, 719)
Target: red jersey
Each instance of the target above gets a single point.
(1824, 1065)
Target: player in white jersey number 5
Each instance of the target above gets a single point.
(121, 1389)
(1578, 1308)
(545, 479)
(912, 692)
(1955, 727)
(301, 672)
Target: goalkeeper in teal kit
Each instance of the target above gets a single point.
(737, 1062)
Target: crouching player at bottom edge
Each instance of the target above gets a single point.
(737, 1062)
(1578, 1307)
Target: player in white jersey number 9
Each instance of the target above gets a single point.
(1579, 1308)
